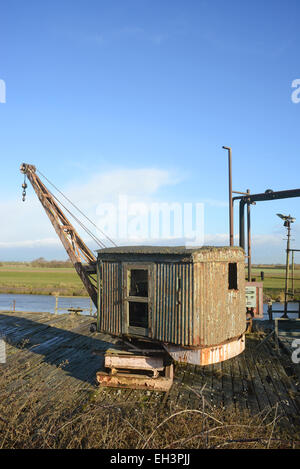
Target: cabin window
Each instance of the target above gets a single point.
(138, 298)
(232, 276)
(138, 283)
(138, 314)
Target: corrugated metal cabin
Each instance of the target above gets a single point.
(191, 300)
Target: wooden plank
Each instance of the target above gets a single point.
(249, 387)
(247, 384)
(56, 355)
(187, 385)
(134, 381)
(255, 384)
(208, 380)
(263, 368)
(133, 362)
(199, 384)
(287, 388)
(217, 396)
(238, 385)
(227, 390)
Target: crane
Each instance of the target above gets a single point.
(80, 255)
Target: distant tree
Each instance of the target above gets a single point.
(42, 262)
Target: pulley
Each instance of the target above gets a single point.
(24, 186)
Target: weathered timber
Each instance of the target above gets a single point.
(55, 355)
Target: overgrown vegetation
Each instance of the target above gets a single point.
(41, 262)
(34, 421)
(43, 406)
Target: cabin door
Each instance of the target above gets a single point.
(137, 299)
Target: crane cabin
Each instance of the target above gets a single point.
(190, 300)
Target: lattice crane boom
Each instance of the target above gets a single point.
(80, 255)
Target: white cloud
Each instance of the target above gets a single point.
(26, 225)
(31, 243)
(266, 248)
(267, 239)
(107, 186)
(218, 239)
(257, 239)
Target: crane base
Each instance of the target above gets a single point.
(148, 371)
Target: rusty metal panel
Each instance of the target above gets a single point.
(172, 313)
(110, 314)
(221, 311)
(191, 303)
(207, 355)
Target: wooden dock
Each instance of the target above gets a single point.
(61, 352)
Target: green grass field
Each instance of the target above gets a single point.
(24, 278)
(274, 281)
(40, 280)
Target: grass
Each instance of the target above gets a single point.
(34, 279)
(274, 281)
(25, 422)
(42, 406)
(24, 279)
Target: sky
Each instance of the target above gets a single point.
(136, 98)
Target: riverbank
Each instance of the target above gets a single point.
(46, 303)
(45, 279)
(25, 279)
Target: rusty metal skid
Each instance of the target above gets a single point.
(121, 361)
(207, 355)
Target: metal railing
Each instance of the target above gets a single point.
(271, 311)
(71, 309)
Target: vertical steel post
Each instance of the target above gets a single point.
(293, 271)
(231, 241)
(287, 268)
(270, 310)
(242, 224)
(249, 237)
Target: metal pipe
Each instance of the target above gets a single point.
(242, 224)
(249, 237)
(230, 196)
(293, 271)
(287, 270)
(239, 192)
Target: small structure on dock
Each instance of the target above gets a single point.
(190, 300)
(190, 303)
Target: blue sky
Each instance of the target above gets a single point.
(98, 90)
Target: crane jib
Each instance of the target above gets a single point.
(80, 255)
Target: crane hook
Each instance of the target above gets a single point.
(24, 185)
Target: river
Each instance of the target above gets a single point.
(46, 303)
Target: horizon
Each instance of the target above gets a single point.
(41, 259)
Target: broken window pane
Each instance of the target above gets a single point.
(232, 276)
(138, 314)
(138, 283)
